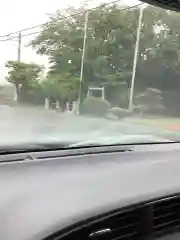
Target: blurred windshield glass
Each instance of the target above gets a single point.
(91, 72)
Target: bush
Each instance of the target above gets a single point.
(94, 106)
(119, 112)
(150, 101)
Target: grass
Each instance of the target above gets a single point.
(165, 123)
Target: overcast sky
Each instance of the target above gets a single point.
(19, 14)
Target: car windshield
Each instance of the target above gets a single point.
(80, 73)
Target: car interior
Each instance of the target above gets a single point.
(158, 219)
(115, 192)
(123, 216)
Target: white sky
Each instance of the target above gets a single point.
(19, 14)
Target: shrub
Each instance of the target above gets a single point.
(119, 112)
(150, 101)
(94, 106)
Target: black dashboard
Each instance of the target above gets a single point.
(158, 220)
(55, 191)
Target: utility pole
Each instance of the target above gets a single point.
(19, 47)
(17, 91)
(82, 60)
(136, 51)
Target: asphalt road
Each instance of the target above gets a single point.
(29, 125)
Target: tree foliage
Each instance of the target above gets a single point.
(111, 36)
(61, 87)
(23, 74)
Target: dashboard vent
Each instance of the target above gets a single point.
(166, 215)
(121, 226)
(143, 221)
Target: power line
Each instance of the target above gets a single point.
(63, 18)
(33, 33)
(16, 37)
(29, 34)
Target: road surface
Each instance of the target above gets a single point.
(28, 125)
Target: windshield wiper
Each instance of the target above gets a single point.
(24, 148)
(86, 144)
(57, 146)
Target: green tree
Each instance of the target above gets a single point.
(160, 57)
(23, 74)
(111, 36)
(60, 87)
